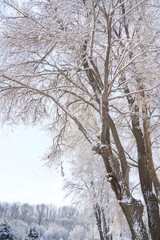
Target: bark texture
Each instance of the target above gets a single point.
(150, 199)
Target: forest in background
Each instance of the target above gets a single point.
(50, 222)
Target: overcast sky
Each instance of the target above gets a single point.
(23, 178)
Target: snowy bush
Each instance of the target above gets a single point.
(20, 227)
(55, 232)
(77, 233)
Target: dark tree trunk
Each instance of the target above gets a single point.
(106, 226)
(151, 200)
(132, 209)
(103, 226)
(98, 216)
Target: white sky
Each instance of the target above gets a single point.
(23, 176)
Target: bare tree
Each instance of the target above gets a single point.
(41, 213)
(26, 213)
(89, 66)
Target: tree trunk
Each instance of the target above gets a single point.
(106, 226)
(132, 209)
(97, 212)
(151, 200)
(148, 149)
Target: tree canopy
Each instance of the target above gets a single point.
(90, 70)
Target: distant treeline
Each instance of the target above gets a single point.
(51, 222)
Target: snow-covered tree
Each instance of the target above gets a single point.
(91, 68)
(6, 232)
(32, 234)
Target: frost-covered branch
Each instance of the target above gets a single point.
(43, 93)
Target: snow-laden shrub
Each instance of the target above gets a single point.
(55, 232)
(20, 227)
(77, 233)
